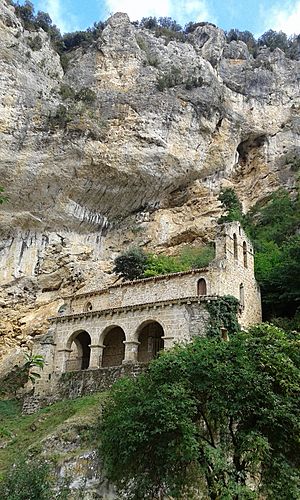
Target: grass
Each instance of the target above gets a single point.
(22, 433)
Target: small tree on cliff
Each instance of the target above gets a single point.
(2, 198)
(131, 264)
(213, 417)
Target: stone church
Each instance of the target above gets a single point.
(129, 323)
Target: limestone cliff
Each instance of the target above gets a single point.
(140, 159)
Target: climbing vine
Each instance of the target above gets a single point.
(223, 314)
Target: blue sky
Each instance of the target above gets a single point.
(256, 16)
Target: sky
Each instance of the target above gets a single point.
(256, 16)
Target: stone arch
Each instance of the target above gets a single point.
(80, 351)
(150, 336)
(88, 307)
(235, 246)
(201, 287)
(245, 254)
(242, 295)
(113, 339)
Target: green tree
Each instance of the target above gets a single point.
(231, 204)
(209, 417)
(131, 264)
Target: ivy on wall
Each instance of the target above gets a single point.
(223, 314)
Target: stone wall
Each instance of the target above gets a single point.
(71, 385)
(231, 273)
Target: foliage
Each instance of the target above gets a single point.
(66, 91)
(33, 361)
(274, 229)
(223, 314)
(35, 43)
(27, 480)
(87, 95)
(274, 39)
(2, 198)
(231, 204)
(189, 258)
(131, 264)
(208, 417)
(163, 26)
(26, 432)
(162, 264)
(243, 36)
(60, 118)
(170, 79)
(17, 378)
(197, 257)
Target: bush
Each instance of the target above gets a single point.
(87, 95)
(168, 80)
(60, 118)
(162, 264)
(66, 91)
(35, 43)
(196, 258)
(131, 265)
(27, 480)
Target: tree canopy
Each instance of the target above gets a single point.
(213, 417)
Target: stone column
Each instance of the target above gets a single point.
(96, 355)
(131, 351)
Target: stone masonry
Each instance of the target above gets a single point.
(130, 322)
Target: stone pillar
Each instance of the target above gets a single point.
(61, 359)
(131, 351)
(96, 355)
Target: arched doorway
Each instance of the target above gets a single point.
(151, 341)
(201, 287)
(79, 358)
(114, 350)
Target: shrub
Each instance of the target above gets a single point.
(66, 91)
(168, 80)
(35, 43)
(131, 265)
(27, 479)
(195, 258)
(162, 264)
(87, 95)
(60, 118)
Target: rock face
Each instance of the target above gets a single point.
(139, 160)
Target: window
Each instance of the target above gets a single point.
(88, 307)
(245, 254)
(235, 246)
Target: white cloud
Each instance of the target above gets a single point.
(65, 21)
(285, 19)
(180, 10)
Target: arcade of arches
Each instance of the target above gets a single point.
(150, 342)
